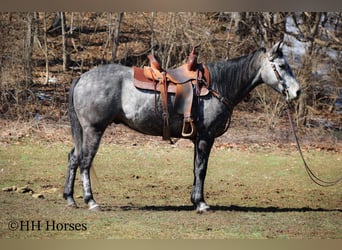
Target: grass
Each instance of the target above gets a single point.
(145, 193)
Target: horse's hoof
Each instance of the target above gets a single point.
(202, 208)
(94, 208)
(71, 205)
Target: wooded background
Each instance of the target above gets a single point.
(40, 54)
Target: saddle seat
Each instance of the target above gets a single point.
(182, 81)
(180, 75)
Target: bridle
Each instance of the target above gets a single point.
(285, 93)
(280, 79)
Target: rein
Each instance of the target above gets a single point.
(215, 93)
(312, 176)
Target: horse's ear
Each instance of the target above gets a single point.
(280, 45)
(276, 50)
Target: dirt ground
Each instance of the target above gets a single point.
(256, 186)
(247, 130)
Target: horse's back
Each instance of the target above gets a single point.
(106, 75)
(97, 95)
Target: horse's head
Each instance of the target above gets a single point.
(277, 73)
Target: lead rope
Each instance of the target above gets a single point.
(312, 176)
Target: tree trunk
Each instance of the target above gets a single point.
(64, 43)
(29, 49)
(152, 32)
(116, 36)
(46, 53)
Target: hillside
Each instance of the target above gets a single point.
(36, 71)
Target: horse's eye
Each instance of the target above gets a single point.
(282, 66)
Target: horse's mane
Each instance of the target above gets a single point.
(228, 75)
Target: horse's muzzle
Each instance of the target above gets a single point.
(291, 92)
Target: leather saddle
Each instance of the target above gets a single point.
(184, 81)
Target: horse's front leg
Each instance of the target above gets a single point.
(202, 150)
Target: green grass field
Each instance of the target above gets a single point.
(144, 193)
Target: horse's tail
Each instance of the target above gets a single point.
(76, 128)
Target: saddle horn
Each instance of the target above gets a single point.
(192, 60)
(154, 63)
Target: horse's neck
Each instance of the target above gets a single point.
(249, 84)
(239, 83)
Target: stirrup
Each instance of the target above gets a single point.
(188, 130)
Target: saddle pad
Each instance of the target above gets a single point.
(141, 82)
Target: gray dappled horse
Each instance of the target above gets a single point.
(106, 94)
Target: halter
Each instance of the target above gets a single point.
(279, 78)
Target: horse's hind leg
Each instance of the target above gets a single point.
(70, 178)
(91, 141)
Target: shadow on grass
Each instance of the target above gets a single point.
(232, 208)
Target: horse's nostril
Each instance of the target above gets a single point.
(298, 92)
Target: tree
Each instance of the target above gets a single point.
(64, 42)
(117, 36)
(46, 53)
(29, 48)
